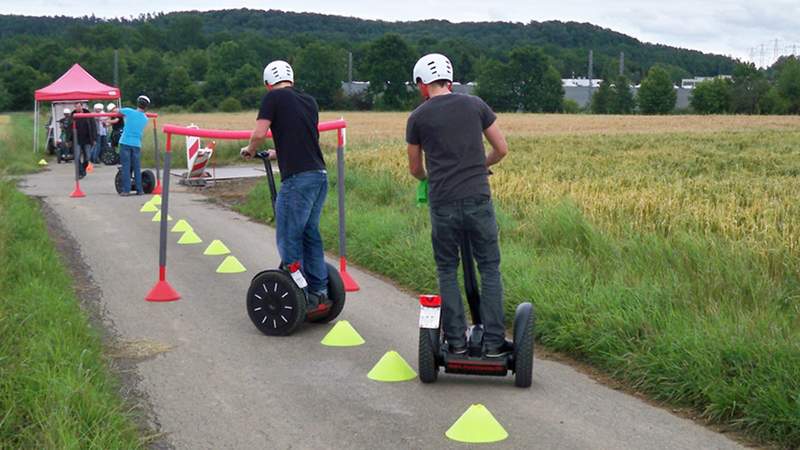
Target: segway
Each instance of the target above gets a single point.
(433, 350)
(276, 300)
(148, 181)
(110, 157)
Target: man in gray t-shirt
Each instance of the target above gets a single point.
(449, 129)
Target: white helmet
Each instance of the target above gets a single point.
(98, 106)
(432, 67)
(67, 111)
(278, 71)
(111, 106)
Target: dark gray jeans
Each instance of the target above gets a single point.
(475, 217)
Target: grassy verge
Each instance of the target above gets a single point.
(55, 389)
(690, 317)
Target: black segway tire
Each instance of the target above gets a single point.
(118, 181)
(109, 157)
(275, 304)
(336, 294)
(428, 349)
(524, 320)
(148, 181)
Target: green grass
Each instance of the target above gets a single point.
(56, 391)
(688, 317)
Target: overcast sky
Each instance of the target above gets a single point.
(730, 27)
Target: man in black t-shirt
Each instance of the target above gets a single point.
(293, 117)
(449, 129)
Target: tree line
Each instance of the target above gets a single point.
(191, 60)
(195, 60)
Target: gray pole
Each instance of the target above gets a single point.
(162, 248)
(350, 67)
(340, 189)
(75, 151)
(116, 68)
(591, 71)
(155, 146)
(621, 63)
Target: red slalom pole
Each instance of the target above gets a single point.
(350, 284)
(163, 291)
(77, 193)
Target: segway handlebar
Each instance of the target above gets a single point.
(240, 135)
(88, 115)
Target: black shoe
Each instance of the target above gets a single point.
(457, 349)
(315, 301)
(499, 352)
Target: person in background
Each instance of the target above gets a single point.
(130, 150)
(117, 124)
(102, 134)
(64, 141)
(86, 129)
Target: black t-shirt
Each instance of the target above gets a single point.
(117, 127)
(294, 118)
(450, 130)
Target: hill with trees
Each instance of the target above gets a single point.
(185, 57)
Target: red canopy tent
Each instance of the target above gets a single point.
(76, 84)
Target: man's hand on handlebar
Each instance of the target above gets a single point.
(246, 153)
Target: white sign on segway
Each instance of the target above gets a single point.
(429, 317)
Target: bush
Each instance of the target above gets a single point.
(230, 104)
(201, 105)
(571, 106)
(172, 109)
(657, 94)
(251, 97)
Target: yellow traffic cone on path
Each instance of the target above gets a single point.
(231, 265)
(181, 226)
(392, 367)
(216, 248)
(189, 237)
(477, 426)
(342, 335)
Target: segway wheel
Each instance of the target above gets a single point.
(118, 181)
(109, 157)
(148, 181)
(523, 345)
(336, 294)
(275, 304)
(428, 349)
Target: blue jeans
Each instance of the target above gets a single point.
(473, 216)
(130, 157)
(297, 211)
(102, 143)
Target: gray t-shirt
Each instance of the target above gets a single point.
(450, 130)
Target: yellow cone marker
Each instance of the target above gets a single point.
(181, 226)
(148, 207)
(231, 265)
(392, 367)
(477, 426)
(157, 217)
(42, 162)
(156, 200)
(216, 248)
(342, 335)
(189, 237)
